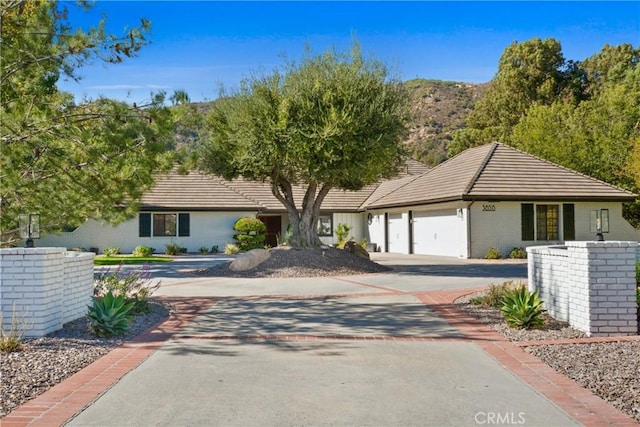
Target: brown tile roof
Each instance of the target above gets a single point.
(197, 191)
(498, 172)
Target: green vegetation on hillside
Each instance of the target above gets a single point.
(438, 108)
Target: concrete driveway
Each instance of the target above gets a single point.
(352, 350)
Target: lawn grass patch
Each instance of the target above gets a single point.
(128, 259)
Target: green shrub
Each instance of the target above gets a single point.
(111, 251)
(174, 249)
(342, 232)
(215, 249)
(136, 286)
(363, 243)
(142, 251)
(204, 250)
(495, 295)
(109, 315)
(231, 249)
(249, 224)
(251, 233)
(11, 340)
(518, 253)
(522, 309)
(493, 253)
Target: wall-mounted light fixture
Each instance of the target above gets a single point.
(29, 228)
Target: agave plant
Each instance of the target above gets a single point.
(109, 315)
(522, 309)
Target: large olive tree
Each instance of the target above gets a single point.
(335, 120)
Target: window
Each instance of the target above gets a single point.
(547, 226)
(542, 222)
(163, 224)
(325, 225)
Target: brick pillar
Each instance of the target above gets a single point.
(32, 278)
(607, 269)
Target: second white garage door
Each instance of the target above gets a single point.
(439, 233)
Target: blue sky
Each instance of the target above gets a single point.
(199, 45)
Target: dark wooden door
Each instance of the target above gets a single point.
(274, 228)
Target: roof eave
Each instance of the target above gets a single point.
(413, 203)
(513, 198)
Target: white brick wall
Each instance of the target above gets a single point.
(589, 284)
(78, 284)
(499, 224)
(48, 286)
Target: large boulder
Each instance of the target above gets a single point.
(249, 260)
(356, 249)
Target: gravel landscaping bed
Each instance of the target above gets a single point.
(46, 361)
(610, 370)
(292, 262)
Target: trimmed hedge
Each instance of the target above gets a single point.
(251, 233)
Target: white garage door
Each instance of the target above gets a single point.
(438, 233)
(397, 234)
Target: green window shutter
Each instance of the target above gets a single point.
(568, 221)
(144, 224)
(528, 219)
(183, 224)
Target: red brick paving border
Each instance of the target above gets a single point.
(70, 397)
(580, 403)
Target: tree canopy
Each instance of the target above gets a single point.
(334, 120)
(583, 115)
(65, 161)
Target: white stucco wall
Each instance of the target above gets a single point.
(502, 227)
(206, 229)
(374, 232)
(619, 228)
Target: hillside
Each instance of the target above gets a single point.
(437, 109)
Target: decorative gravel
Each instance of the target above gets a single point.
(46, 361)
(610, 370)
(293, 262)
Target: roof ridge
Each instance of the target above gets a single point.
(409, 181)
(483, 165)
(569, 169)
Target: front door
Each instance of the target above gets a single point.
(274, 228)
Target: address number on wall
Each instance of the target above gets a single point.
(488, 208)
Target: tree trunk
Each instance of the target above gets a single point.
(303, 232)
